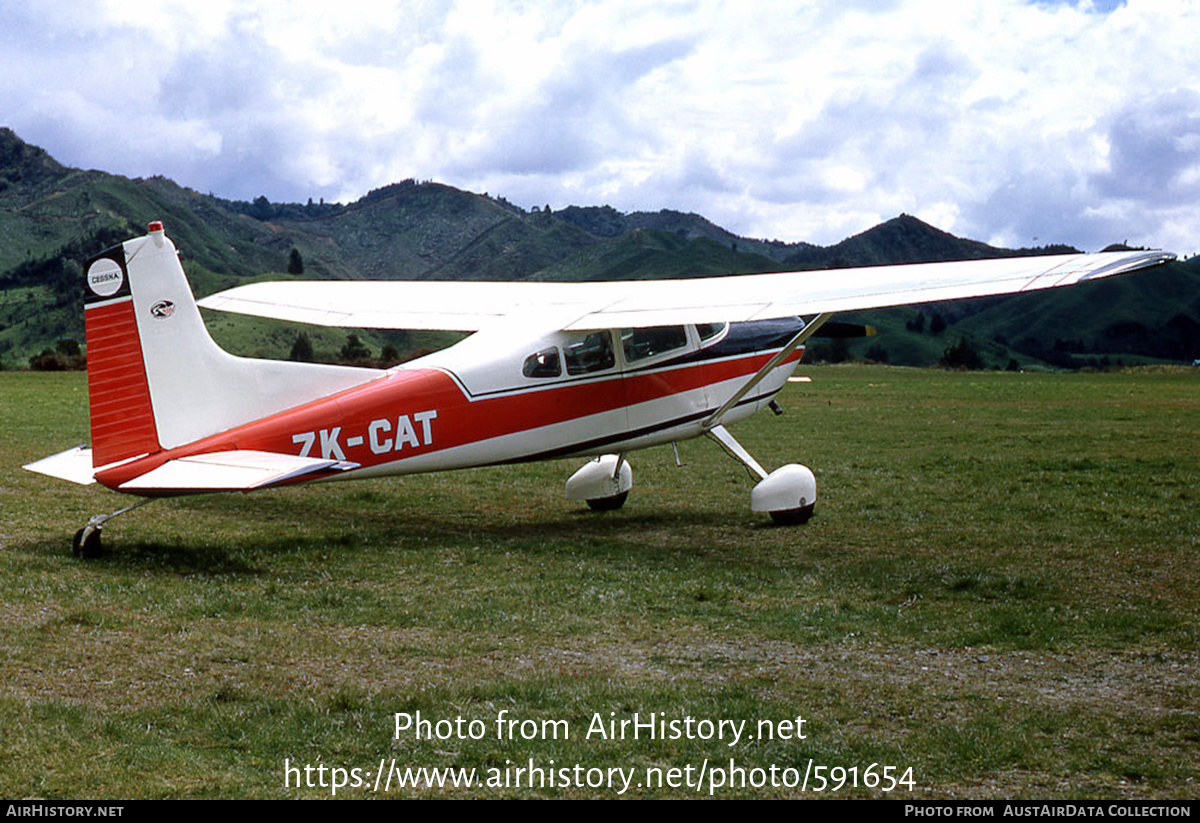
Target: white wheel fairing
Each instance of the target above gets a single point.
(600, 479)
(787, 488)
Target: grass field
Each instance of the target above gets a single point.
(998, 591)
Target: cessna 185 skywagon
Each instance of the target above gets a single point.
(551, 370)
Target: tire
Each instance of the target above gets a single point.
(608, 504)
(90, 547)
(793, 517)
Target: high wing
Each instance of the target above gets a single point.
(470, 306)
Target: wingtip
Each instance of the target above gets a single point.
(1128, 262)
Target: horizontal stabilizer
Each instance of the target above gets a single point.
(241, 470)
(74, 465)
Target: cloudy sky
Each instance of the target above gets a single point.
(1009, 121)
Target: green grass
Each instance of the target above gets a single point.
(998, 590)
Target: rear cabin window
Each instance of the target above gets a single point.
(640, 344)
(708, 331)
(544, 363)
(590, 353)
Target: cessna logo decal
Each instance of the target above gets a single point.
(105, 277)
(382, 436)
(162, 309)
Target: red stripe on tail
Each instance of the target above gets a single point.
(119, 395)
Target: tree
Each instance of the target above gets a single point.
(48, 360)
(65, 356)
(962, 355)
(355, 350)
(261, 208)
(938, 324)
(295, 262)
(841, 350)
(302, 349)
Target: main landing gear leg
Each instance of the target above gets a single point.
(86, 543)
(788, 494)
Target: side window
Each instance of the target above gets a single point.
(590, 353)
(544, 363)
(642, 343)
(708, 331)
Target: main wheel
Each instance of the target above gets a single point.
(608, 504)
(793, 517)
(88, 547)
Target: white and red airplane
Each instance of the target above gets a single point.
(551, 370)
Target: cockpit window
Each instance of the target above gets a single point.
(640, 344)
(544, 363)
(590, 353)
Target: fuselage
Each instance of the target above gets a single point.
(552, 370)
(503, 396)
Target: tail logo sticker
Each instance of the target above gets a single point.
(162, 309)
(105, 277)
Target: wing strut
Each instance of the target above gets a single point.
(737, 451)
(714, 419)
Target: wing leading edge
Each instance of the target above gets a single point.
(471, 306)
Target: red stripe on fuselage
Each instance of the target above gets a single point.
(349, 422)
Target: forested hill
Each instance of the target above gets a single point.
(52, 217)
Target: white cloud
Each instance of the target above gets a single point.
(1000, 119)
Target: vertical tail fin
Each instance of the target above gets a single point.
(122, 416)
(156, 379)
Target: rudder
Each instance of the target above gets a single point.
(121, 413)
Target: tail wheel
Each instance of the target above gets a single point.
(86, 543)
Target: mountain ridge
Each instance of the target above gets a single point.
(53, 216)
